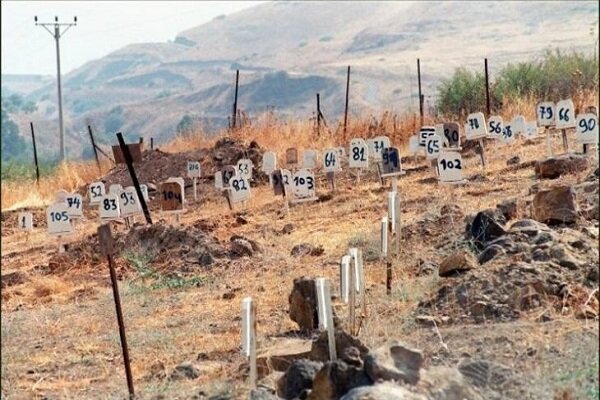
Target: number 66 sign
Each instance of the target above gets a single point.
(450, 167)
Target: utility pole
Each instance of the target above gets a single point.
(57, 35)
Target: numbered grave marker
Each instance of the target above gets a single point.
(518, 125)
(531, 130)
(288, 182)
(384, 237)
(129, 203)
(587, 128)
(450, 167)
(144, 190)
(413, 145)
(269, 162)
(332, 160)
(171, 197)
(345, 279)
(193, 169)
(304, 185)
(545, 113)
(565, 114)
(495, 126)
(452, 134)
(249, 337)
(476, 127)
(244, 168)
(61, 196)
(357, 264)
(310, 159)
(57, 217)
(376, 146)
(219, 180)
(75, 205)
(359, 154)
(394, 211)
(109, 207)
(424, 133)
(433, 146)
(239, 189)
(291, 156)
(325, 313)
(391, 162)
(96, 191)
(115, 189)
(25, 220)
(277, 182)
(228, 172)
(508, 136)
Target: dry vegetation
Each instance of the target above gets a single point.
(59, 335)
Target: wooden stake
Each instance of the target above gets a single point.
(352, 298)
(482, 153)
(195, 188)
(549, 151)
(565, 140)
(325, 314)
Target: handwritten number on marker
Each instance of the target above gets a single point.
(23, 222)
(507, 132)
(239, 184)
(433, 146)
(56, 217)
(329, 159)
(73, 201)
(128, 197)
(587, 125)
(563, 114)
(474, 123)
(109, 204)
(546, 112)
(96, 192)
(495, 127)
(358, 154)
(451, 137)
(451, 164)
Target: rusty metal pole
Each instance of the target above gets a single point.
(420, 94)
(235, 100)
(35, 159)
(346, 107)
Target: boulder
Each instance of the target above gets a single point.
(509, 208)
(513, 160)
(298, 379)
(383, 391)
(397, 362)
(456, 262)
(553, 167)
(443, 383)
(426, 268)
(305, 249)
(343, 341)
(337, 378)
(555, 206)
(185, 370)
(13, 279)
(491, 252)
(486, 226)
(303, 304)
(483, 373)
(262, 394)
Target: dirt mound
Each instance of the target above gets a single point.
(529, 268)
(157, 166)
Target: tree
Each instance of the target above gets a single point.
(185, 125)
(12, 145)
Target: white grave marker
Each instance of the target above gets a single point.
(310, 159)
(75, 205)
(376, 146)
(304, 185)
(332, 160)
(129, 203)
(413, 144)
(269, 162)
(144, 190)
(495, 126)
(249, 337)
(476, 127)
(424, 133)
(96, 191)
(288, 183)
(391, 164)
(25, 220)
(57, 217)
(587, 128)
(531, 130)
(433, 146)
(518, 125)
(239, 189)
(545, 112)
(244, 168)
(565, 114)
(450, 167)
(109, 207)
(193, 169)
(325, 314)
(359, 154)
(115, 189)
(508, 135)
(61, 196)
(452, 134)
(228, 172)
(345, 278)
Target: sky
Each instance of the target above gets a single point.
(102, 27)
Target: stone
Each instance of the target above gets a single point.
(206, 259)
(456, 262)
(513, 160)
(287, 229)
(241, 220)
(555, 206)
(351, 356)
(487, 226)
(185, 370)
(382, 391)
(564, 257)
(303, 304)
(13, 279)
(337, 378)
(554, 167)
(343, 340)
(298, 378)
(444, 383)
(540, 255)
(509, 208)
(483, 373)
(397, 362)
(490, 252)
(305, 249)
(426, 268)
(262, 394)
(277, 354)
(241, 248)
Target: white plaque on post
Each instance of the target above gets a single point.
(359, 154)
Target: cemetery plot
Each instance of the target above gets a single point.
(239, 189)
(565, 114)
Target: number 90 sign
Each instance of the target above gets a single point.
(587, 128)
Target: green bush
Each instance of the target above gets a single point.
(462, 94)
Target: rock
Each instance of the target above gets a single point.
(298, 378)
(304, 249)
(540, 255)
(241, 248)
(443, 383)
(241, 220)
(563, 257)
(262, 394)
(426, 268)
(491, 252)
(513, 160)
(303, 304)
(287, 229)
(509, 209)
(185, 370)
(394, 363)
(553, 167)
(383, 391)
(206, 259)
(13, 279)
(351, 356)
(458, 261)
(483, 373)
(555, 206)
(337, 378)
(487, 226)
(451, 209)
(343, 341)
